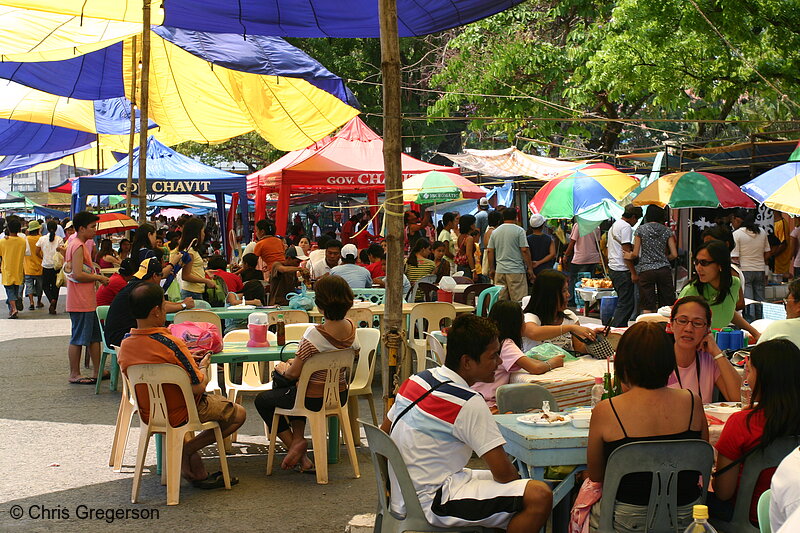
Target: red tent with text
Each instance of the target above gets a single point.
(350, 162)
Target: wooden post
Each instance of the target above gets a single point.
(392, 145)
(132, 135)
(143, 109)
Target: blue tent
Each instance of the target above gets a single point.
(324, 18)
(168, 172)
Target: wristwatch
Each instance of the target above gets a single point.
(183, 305)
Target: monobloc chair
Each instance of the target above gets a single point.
(374, 295)
(203, 315)
(436, 349)
(127, 408)
(201, 304)
(153, 378)
(429, 291)
(433, 313)
(290, 316)
(361, 317)
(486, 299)
(763, 511)
(759, 461)
(294, 332)
(472, 292)
(664, 459)
(522, 397)
(368, 339)
(105, 349)
(333, 362)
(462, 280)
(384, 454)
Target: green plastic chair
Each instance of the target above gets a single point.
(201, 304)
(105, 349)
(763, 511)
(492, 293)
(663, 459)
(759, 461)
(384, 452)
(522, 397)
(375, 295)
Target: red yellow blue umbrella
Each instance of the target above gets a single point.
(693, 189)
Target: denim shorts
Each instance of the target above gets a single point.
(85, 328)
(33, 285)
(13, 292)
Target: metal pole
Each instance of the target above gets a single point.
(392, 146)
(143, 110)
(131, 136)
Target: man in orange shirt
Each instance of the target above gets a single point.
(152, 343)
(269, 248)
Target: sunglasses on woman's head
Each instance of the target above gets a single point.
(702, 262)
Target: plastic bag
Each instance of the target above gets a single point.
(300, 300)
(546, 351)
(447, 284)
(198, 336)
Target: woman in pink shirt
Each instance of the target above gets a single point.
(701, 363)
(507, 315)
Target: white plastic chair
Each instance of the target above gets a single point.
(333, 362)
(652, 317)
(290, 316)
(436, 349)
(294, 332)
(127, 408)
(361, 315)
(433, 313)
(203, 315)
(154, 377)
(368, 339)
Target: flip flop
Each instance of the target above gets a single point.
(84, 381)
(298, 468)
(213, 481)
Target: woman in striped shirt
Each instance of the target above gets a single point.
(418, 265)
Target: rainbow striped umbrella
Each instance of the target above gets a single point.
(567, 196)
(438, 187)
(693, 189)
(778, 189)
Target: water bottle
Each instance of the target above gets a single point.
(597, 391)
(745, 394)
(700, 524)
(280, 331)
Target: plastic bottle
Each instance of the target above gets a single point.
(745, 394)
(700, 524)
(608, 391)
(280, 331)
(597, 391)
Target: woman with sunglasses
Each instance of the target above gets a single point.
(700, 362)
(714, 282)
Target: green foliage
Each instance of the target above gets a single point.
(250, 149)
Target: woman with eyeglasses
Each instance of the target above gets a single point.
(714, 282)
(700, 362)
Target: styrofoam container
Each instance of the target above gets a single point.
(581, 418)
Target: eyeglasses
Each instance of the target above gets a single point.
(696, 323)
(702, 262)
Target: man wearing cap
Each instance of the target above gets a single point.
(356, 276)
(621, 271)
(482, 219)
(283, 277)
(333, 256)
(33, 267)
(541, 245)
(120, 319)
(509, 258)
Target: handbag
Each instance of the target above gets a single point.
(599, 348)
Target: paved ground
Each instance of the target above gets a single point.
(56, 438)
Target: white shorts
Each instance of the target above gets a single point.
(474, 498)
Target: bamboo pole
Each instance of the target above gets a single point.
(143, 110)
(392, 146)
(132, 135)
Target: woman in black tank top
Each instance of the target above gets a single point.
(646, 411)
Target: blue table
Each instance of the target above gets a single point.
(537, 447)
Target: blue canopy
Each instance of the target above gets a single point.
(99, 75)
(20, 163)
(20, 138)
(168, 172)
(325, 18)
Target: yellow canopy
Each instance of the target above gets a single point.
(18, 102)
(120, 10)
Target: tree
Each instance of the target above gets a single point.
(250, 149)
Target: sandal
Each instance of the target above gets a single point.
(84, 381)
(213, 481)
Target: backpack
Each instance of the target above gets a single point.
(217, 295)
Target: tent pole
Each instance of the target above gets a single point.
(131, 135)
(392, 146)
(143, 111)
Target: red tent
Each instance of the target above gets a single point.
(349, 162)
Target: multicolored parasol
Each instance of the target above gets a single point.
(436, 187)
(778, 189)
(567, 196)
(115, 223)
(693, 189)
